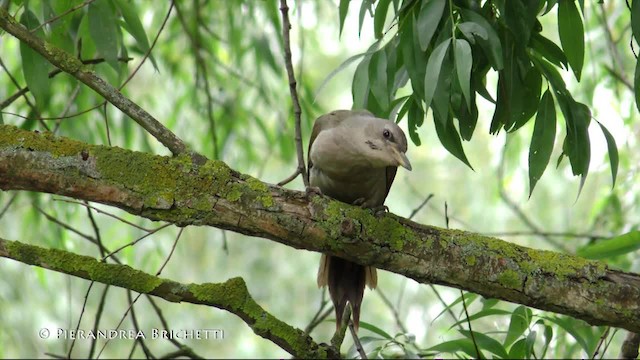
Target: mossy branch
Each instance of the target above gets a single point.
(74, 67)
(178, 191)
(231, 295)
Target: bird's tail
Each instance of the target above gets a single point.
(346, 281)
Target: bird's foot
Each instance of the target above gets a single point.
(380, 210)
(359, 202)
(313, 190)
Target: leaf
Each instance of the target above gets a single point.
(480, 314)
(449, 138)
(636, 78)
(571, 33)
(379, 17)
(376, 330)
(548, 336)
(549, 50)
(366, 5)
(102, 27)
(570, 328)
(416, 117)
(469, 298)
(635, 20)
(518, 350)
(428, 19)
(485, 342)
(360, 86)
(454, 346)
(34, 67)
(378, 78)
(462, 54)
(433, 71)
(520, 320)
(544, 134)
(491, 47)
(59, 34)
(343, 8)
(613, 152)
(471, 30)
(134, 27)
(618, 245)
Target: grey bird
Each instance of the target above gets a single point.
(353, 158)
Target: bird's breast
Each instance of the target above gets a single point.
(364, 185)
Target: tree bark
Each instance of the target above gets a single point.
(179, 191)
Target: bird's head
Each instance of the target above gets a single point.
(384, 143)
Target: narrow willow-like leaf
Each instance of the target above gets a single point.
(613, 153)
(343, 8)
(491, 47)
(450, 138)
(378, 78)
(379, 17)
(433, 71)
(571, 33)
(464, 59)
(618, 245)
(520, 320)
(428, 19)
(34, 67)
(486, 342)
(134, 27)
(102, 27)
(416, 117)
(544, 134)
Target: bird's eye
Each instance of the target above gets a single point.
(386, 133)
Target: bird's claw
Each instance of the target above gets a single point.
(380, 210)
(312, 190)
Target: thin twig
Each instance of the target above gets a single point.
(473, 337)
(84, 305)
(356, 341)
(601, 341)
(8, 204)
(135, 241)
(297, 111)
(106, 213)
(55, 18)
(424, 202)
(96, 322)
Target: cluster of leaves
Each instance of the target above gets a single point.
(446, 48)
(528, 335)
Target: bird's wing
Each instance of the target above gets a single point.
(391, 175)
(329, 121)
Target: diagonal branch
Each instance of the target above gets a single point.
(231, 295)
(74, 67)
(177, 191)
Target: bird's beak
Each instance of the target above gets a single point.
(402, 159)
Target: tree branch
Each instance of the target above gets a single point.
(178, 191)
(74, 67)
(231, 295)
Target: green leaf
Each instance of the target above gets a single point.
(343, 8)
(416, 118)
(613, 153)
(360, 86)
(548, 336)
(366, 5)
(379, 17)
(471, 30)
(433, 71)
(618, 245)
(454, 346)
(428, 19)
(518, 350)
(59, 34)
(378, 78)
(103, 30)
(469, 298)
(520, 320)
(376, 330)
(462, 54)
(549, 50)
(544, 134)
(491, 47)
(636, 78)
(134, 26)
(635, 20)
(449, 138)
(569, 327)
(34, 67)
(480, 314)
(571, 33)
(486, 342)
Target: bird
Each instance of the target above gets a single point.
(353, 157)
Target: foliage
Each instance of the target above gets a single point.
(446, 49)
